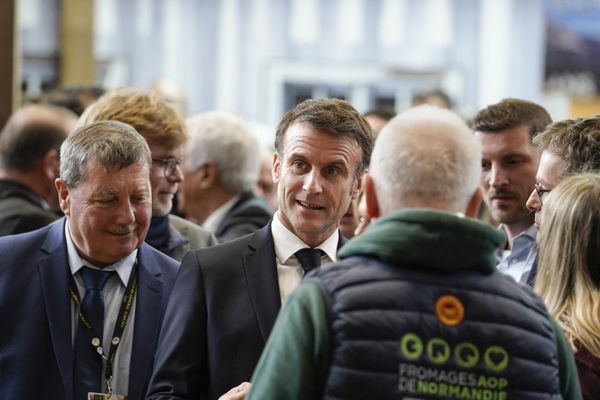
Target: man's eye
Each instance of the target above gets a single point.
(485, 165)
(298, 164)
(104, 201)
(332, 171)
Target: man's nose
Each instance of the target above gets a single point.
(125, 214)
(497, 176)
(176, 175)
(533, 202)
(312, 183)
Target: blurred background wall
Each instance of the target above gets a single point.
(260, 57)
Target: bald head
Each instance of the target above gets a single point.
(425, 157)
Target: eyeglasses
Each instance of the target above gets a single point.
(169, 164)
(540, 192)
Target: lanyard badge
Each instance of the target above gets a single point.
(105, 396)
(123, 316)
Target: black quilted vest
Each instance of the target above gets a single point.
(405, 333)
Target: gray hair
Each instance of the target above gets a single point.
(225, 139)
(426, 156)
(112, 144)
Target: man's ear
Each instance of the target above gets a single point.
(371, 197)
(50, 164)
(357, 187)
(276, 168)
(472, 210)
(64, 196)
(207, 175)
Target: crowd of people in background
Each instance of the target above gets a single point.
(157, 255)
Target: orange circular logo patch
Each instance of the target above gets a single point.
(449, 310)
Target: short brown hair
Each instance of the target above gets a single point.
(577, 141)
(334, 116)
(150, 115)
(511, 113)
(30, 133)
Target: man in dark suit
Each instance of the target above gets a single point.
(227, 297)
(29, 144)
(221, 168)
(60, 338)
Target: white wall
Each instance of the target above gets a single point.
(238, 54)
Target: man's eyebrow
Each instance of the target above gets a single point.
(104, 191)
(516, 154)
(337, 163)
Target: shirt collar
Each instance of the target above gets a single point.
(286, 243)
(123, 267)
(214, 219)
(530, 232)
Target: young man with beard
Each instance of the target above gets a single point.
(509, 163)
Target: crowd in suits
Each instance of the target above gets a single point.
(199, 297)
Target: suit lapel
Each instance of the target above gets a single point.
(341, 241)
(261, 277)
(260, 269)
(149, 298)
(54, 278)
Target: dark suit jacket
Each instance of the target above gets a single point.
(224, 304)
(21, 210)
(36, 351)
(248, 214)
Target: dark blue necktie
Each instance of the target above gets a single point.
(309, 258)
(88, 363)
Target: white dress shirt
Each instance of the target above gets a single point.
(517, 261)
(289, 270)
(113, 295)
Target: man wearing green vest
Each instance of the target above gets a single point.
(414, 307)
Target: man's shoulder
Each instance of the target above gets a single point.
(249, 214)
(157, 261)
(234, 247)
(25, 250)
(250, 205)
(372, 268)
(231, 253)
(194, 233)
(183, 224)
(28, 238)
(19, 211)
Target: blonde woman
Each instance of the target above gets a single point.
(568, 277)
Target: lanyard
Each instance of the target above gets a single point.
(122, 317)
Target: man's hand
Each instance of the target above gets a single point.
(237, 393)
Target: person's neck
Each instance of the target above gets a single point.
(513, 230)
(211, 201)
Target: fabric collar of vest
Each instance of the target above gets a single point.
(432, 239)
